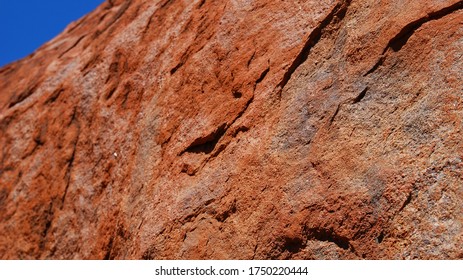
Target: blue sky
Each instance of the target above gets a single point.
(25, 25)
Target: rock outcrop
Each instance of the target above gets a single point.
(237, 129)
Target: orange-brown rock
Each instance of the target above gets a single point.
(238, 129)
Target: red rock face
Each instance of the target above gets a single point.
(238, 129)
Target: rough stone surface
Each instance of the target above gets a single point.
(238, 129)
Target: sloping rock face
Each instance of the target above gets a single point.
(238, 129)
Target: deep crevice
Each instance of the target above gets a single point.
(36, 147)
(335, 114)
(23, 96)
(149, 254)
(399, 40)
(227, 213)
(173, 70)
(262, 76)
(201, 4)
(359, 97)
(406, 202)
(240, 129)
(207, 143)
(90, 64)
(49, 218)
(150, 20)
(110, 93)
(109, 249)
(243, 110)
(324, 235)
(70, 164)
(54, 96)
(49, 214)
(354, 100)
(380, 238)
(338, 11)
(73, 46)
(110, 3)
(376, 66)
(118, 14)
(166, 3)
(293, 245)
(251, 59)
(121, 11)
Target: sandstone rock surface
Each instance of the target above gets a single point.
(238, 129)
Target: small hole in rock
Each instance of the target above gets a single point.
(237, 94)
(380, 237)
(293, 245)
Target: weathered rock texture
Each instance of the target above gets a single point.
(249, 129)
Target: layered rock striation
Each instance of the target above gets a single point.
(237, 129)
